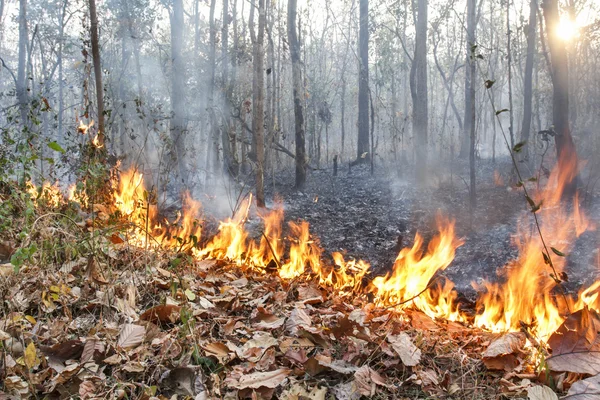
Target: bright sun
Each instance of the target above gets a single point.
(567, 29)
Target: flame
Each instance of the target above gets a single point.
(528, 292)
(48, 195)
(77, 196)
(132, 203)
(96, 141)
(83, 128)
(410, 283)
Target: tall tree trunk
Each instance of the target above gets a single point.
(214, 130)
(298, 95)
(343, 112)
(61, 97)
(97, 71)
(178, 123)
(21, 87)
(362, 144)
(419, 89)
(229, 162)
(469, 123)
(528, 80)
(511, 128)
(565, 148)
(258, 106)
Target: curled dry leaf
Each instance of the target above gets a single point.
(541, 393)
(503, 353)
(576, 344)
(298, 319)
(131, 336)
(367, 379)
(166, 313)
(15, 384)
(255, 380)
(587, 389)
(403, 345)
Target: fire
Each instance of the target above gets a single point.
(410, 283)
(97, 142)
(77, 196)
(48, 194)
(133, 203)
(528, 293)
(83, 128)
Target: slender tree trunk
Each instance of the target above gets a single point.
(511, 113)
(469, 123)
(97, 71)
(61, 96)
(528, 80)
(565, 148)
(419, 92)
(298, 95)
(362, 144)
(21, 87)
(258, 103)
(178, 124)
(343, 112)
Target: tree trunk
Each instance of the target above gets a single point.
(565, 148)
(419, 92)
(21, 87)
(97, 71)
(258, 105)
(362, 144)
(298, 95)
(511, 113)
(469, 123)
(528, 80)
(178, 125)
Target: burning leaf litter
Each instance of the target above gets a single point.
(240, 317)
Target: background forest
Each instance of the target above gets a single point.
(204, 90)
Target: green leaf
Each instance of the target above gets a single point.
(547, 258)
(558, 252)
(56, 147)
(519, 146)
(501, 111)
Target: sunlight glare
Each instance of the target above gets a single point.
(567, 29)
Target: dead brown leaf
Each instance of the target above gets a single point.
(165, 313)
(131, 336)
(503, 353)
(270, 379)
(403, 345)
(576, 344)
(367, 379)
(586, 389)
(541, 392)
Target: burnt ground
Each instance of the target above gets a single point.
(365, 216)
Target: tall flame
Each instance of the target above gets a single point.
(409, 284)
(527, 294)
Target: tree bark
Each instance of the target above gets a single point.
(528, 79)
(362, 144)
(419, 92)
(178, 124)
(258, 105)
(465, 146)
(97, 71)
(21, 86)
(565, 147)
(298, 95)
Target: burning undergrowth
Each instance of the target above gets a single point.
(527, 298)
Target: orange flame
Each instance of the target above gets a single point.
(49, 195)
(527, 293)
(410, 283)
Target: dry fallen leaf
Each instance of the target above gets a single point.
(166, 313)
(297, 320)
(541, 393)
(403, 345)
(131, 335)
(503, 352)
(367, 379)
(270, 379)
(586, 389)
(576, 344)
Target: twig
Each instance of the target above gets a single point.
(272, 251)
(532, 339)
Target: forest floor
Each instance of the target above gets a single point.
(119, 321)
